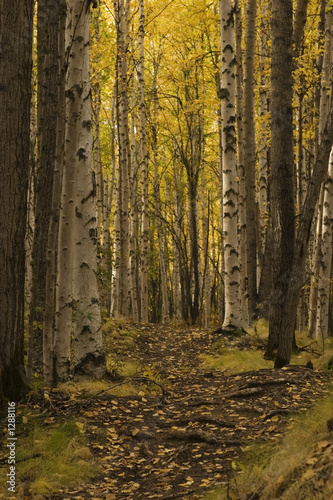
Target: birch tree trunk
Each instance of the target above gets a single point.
(324, 277)
(244, 304)
(229, 161)
(89, 358)
(134, 219)
(324, 105)
(144, 167)
(64, 287)
(52, 241)
(121, 275)
(324, 238)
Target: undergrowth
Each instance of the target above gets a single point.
(51, 454)
(231, 357)
(298, 466)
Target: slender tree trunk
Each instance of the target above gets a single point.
(230, 189)
(47, 68)
(163, 273)
(263, 143)
(205, 291)
(244, 293)
(29, 237)
(324, 106)
(16, 27)
(64, 287)
(144, 167)
(88, 353)
(324, 277)
(134, 219)
(52, 241)
(122, 278)
(282, 165)
(297, 275)
(250, 156)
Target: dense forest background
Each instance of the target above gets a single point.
(161, 161)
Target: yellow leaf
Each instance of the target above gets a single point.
(322, 445)
(308, 474)
(275, 418)
(311, 461)
(80, 426)
(135, 431)
(49, 420)
(24, 420)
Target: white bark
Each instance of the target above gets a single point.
(324, 278)
(244, 307)
(89, 356)
(64, 291)
(144, 168)
(133, 267)
(229, 164)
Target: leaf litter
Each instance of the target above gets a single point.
(186, 441)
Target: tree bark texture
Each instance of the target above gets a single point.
(47, 111)
(144, 166)
(16, 21)
(229, 168)
(250, 155)
(282, 166)
(88, 353)
(53, 231)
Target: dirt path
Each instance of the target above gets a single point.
(181, 444)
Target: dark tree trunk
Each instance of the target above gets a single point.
(16, 18)
(193, 193)
(47, 112)
(297, 276)
(282, 167)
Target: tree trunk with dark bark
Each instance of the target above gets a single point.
(16, 21)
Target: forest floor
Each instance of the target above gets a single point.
(182, 435)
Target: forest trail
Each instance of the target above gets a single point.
(182, 444)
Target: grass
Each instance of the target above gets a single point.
(231, 359)
(291, 469)
(119, 342)
(56, 452)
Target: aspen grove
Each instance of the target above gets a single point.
(166, 162)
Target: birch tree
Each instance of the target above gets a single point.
(88, 354)
(144, 166)
(77, 286)
(53, 230)
(121, 280)
(229, 166)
